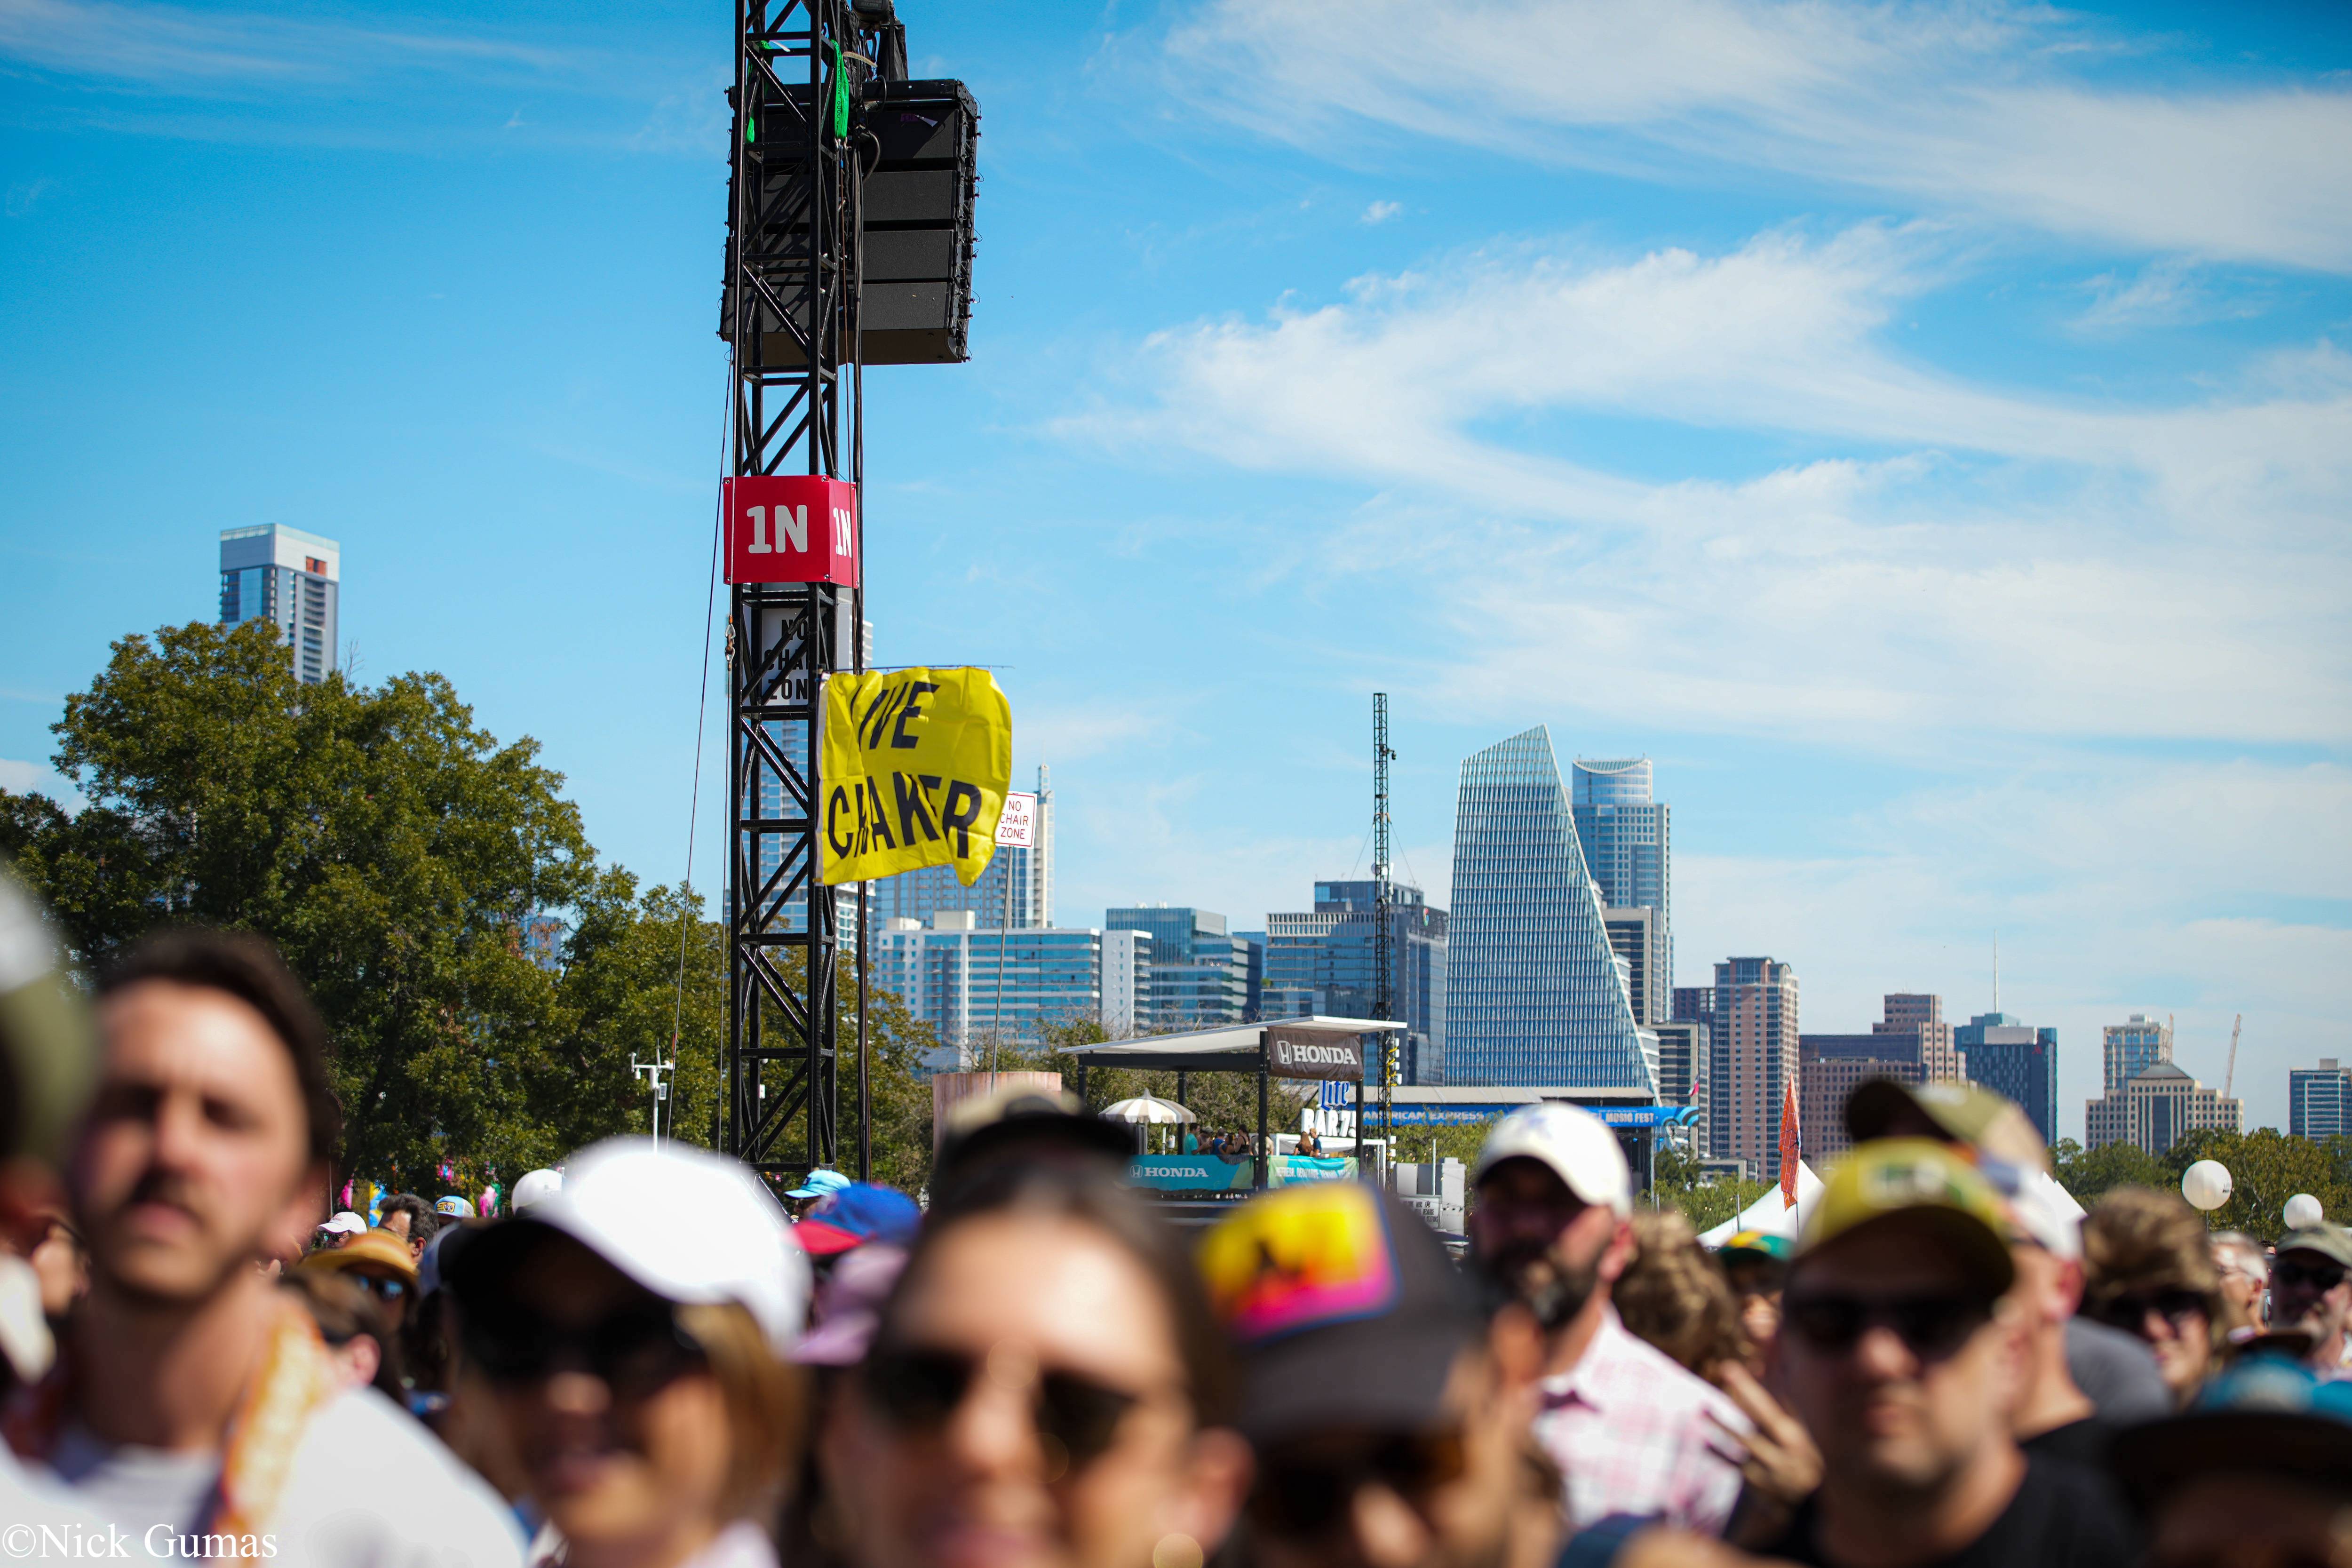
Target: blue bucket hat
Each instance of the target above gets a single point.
(2266, 1415)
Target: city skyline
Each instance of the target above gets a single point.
(1952, 533)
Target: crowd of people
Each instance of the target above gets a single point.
(659, 1362)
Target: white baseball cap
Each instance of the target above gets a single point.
(1572, 1143)
(535, 1188)
(345, 1223)
(688, 1225)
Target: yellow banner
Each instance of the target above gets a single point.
(914, 765)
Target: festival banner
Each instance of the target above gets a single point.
(914, 765)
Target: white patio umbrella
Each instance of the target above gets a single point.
(1148, 1109)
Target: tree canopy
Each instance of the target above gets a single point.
(394, 851)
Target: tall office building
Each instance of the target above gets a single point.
(2319, 1100)
(290, 579)
(2156, 1108)
(975, 985)
(2010, 1056)
(1638, 938)
(1533, 992)
(1754, 1046)
(1200, 971)
(1682, 1073)
(1625, 834)
(2133, 1046)
(1025, 877)
(1910, 1043)
(1321, 961)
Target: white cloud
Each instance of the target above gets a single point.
(2106, 885)
(2019, 563)
(1381, 212)
(1985, 109)
(169, 47)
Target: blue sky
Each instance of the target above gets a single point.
(1925, 431)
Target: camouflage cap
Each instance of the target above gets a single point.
(1921, 1181)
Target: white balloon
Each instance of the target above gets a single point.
(2205, 1184)
(2302, 1212)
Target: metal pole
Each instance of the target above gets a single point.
(1265, 1176)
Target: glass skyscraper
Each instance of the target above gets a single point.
(1533, 994)
(2319, 1100)
(1200, 971)
(2013, 1057)
(1323, 961)
(1625, 833)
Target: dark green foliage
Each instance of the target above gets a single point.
(391, 850)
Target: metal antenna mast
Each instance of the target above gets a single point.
(1383, 990)
(792, 291)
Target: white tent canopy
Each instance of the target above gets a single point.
(1226, 1039)
(1148, 1108)
(1769, 1214)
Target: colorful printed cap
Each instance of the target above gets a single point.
(1345, 1307)
(1921, 1182)
(1759, 1244)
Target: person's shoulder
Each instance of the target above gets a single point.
(434, 1504)
(1665, 1384)
(2076, 1514)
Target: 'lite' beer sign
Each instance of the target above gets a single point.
(791, 528)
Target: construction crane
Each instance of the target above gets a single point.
(1382, 986)
(2230, 1077)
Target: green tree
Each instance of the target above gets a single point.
(2266, 1168)
(1706, 1204)
(2089, 1173)
(392, 849)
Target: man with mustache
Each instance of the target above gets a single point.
(198, 1408)
(1629, 1429)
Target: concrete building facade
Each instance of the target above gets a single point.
(292, 580)
(1754, 1041)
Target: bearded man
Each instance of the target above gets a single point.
(1631, 1431)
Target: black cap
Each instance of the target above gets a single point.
(1019, 1121)
(1345, 1309)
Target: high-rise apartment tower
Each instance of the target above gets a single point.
(290, 579)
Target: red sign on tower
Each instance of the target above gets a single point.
(791, 528)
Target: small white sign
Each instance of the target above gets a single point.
(1018, 825)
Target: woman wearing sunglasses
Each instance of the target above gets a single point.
(2148, 1270)
(632, 1330)
(1046, 1389)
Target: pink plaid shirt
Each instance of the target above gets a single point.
(1628, 1429)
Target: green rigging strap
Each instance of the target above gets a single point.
(840, 97)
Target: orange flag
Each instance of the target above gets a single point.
(1790, 1148)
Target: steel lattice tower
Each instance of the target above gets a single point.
(791, 298)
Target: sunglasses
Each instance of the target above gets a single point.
(2320, 1277)
(1930, 1327)
(1303, 1495)
(919, 1389)
(384, 1290)
(636, 1351)
(2129, 1314)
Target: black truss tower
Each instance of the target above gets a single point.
(791, 298)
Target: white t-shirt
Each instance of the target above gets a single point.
(39, 1519)
(368, 1487)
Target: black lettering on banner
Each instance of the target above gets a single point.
(834, 805)
(961, 817)
(881, 818)
(911, 810)
(899, 736)
(877, 714)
